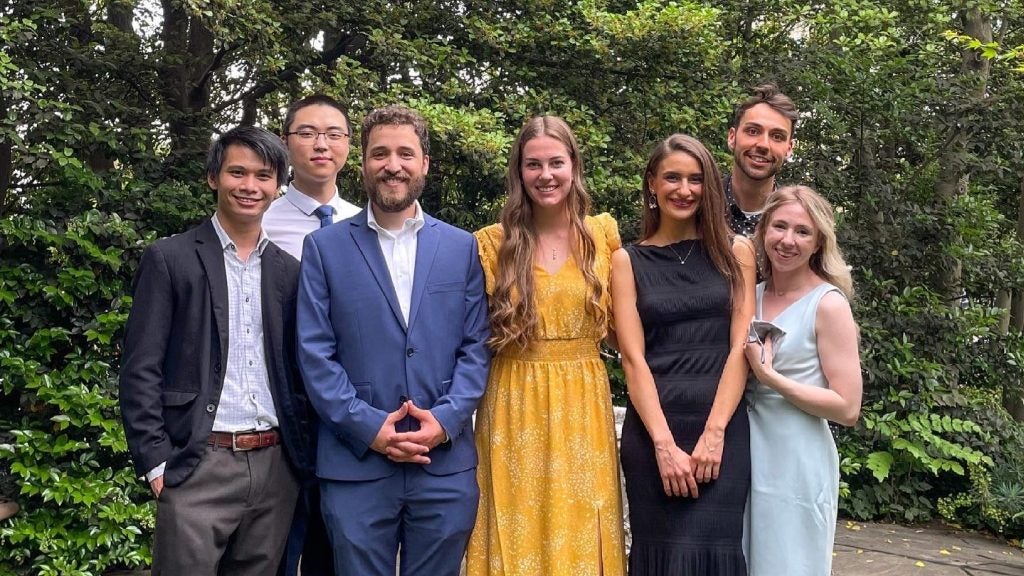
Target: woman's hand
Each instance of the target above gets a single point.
(676, 471)
(706, 457)
(760, 356)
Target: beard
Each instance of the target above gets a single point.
(740, 162)
(374, 188)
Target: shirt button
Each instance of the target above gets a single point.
(246, 298)
(210, 408)
(250, 362)
(410, 352)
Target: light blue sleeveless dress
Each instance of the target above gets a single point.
(794, 488)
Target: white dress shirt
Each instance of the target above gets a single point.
(245, 400)
(291, 217)
(399, 248)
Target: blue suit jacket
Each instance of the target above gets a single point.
(359, 359)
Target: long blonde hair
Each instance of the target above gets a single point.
(513, 310)
(827, 262)
(710, 218)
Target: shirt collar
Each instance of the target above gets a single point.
(226, 241)
(307, 204)
(414, 223)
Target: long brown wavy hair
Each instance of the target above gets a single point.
(712, 228)
(513, 311)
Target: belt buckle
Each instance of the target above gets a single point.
(234, 443)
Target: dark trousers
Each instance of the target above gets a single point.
(429, 517)
(308, 538)
(230, 517)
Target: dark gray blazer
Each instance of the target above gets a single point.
(175, 347)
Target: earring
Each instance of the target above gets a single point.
(652, 202)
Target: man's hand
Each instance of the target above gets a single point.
(430, 434)
(157, 486)
(386, 434)
(419, 442)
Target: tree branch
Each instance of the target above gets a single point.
(291, 72)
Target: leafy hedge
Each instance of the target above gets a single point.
(62, 306)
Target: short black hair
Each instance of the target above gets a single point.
(396, 115)
(265, 144)
(313, 100)
(771, 95)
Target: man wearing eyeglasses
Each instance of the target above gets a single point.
(317, 134)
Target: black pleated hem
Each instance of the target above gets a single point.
(666, 559)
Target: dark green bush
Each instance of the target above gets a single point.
(62, 306)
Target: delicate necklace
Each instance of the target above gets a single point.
(683, 259)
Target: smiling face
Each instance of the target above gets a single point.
(546, 168)
(317, 162)
(761, 142)
(790, 238)
(394, 167)
(245, 186)
(678, 186)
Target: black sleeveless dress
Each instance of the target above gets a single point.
(685, 310)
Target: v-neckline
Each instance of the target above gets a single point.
(549, 272)
(788, 306)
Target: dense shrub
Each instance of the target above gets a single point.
(62, 306)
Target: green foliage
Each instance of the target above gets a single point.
(108, 109)
(62, 308)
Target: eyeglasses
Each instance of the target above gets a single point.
(310, 136)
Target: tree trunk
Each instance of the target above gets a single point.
(954, 178)
(187, 59)
(1017, 306)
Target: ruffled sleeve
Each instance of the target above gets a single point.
(606, 240)
(610, 229)
(488, 240)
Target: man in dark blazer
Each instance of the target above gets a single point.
(392, 321)
(213, 408)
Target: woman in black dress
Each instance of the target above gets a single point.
(683, 297)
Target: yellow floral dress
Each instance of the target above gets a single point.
(550, 501)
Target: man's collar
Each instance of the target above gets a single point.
(307, 204)
(415, 223)
(226, 241)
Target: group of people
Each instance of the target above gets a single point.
(322, 412)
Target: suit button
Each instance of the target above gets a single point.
(410, 352)
(210, 408)
(216, 368)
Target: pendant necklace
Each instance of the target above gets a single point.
(682, 259)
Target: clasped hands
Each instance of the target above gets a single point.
(409, 446)
(681, 472)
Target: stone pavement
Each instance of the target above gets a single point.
(866, 549)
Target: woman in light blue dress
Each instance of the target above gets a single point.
(803, 351)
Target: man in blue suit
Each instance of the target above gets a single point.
(392, 328)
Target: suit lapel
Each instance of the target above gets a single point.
(366, 240)
(271, 292)
(426, 249)
(211, 254)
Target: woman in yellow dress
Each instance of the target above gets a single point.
(550, 501)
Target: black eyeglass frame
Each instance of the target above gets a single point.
(316, 134)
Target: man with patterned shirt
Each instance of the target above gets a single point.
(761, 139)
(210, 395)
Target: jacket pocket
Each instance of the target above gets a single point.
(177, 397)
(446, 287)
(364, 391)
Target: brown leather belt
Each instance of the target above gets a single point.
(243, 441)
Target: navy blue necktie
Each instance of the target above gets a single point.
(324, 213)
